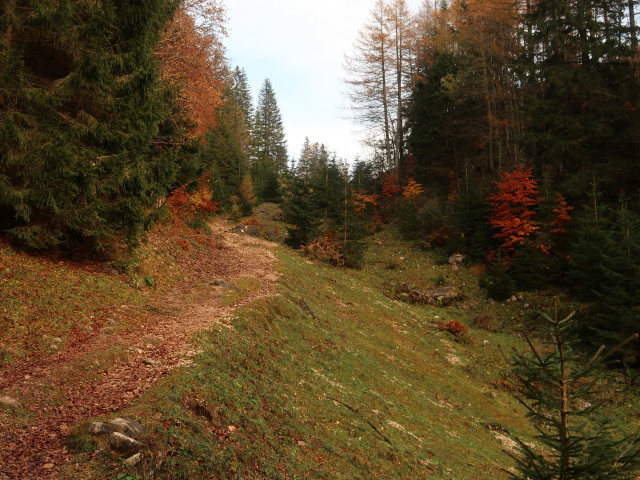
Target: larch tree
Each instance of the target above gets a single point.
(268, 144)
(378, 76)
(193, 61)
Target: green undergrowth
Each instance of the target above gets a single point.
(332, 379)
(43, 300)
(47, 301)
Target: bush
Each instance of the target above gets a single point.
(454, 327)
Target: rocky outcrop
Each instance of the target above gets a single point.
(120, 437)
(440, 297)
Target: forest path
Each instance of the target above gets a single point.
(103, 371)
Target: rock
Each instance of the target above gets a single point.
(582, 404)
(99, 428)
(133, 460)
(247, 229)
(131, 428)
(9, 403)
(222, 283)
(440, 297)
(123, 446)
(456, 258)
(495, 427)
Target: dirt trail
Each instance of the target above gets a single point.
(58, 393)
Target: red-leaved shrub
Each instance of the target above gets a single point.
(454, 327)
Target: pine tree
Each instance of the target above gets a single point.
(579, 443)
(85, 149)
(268, 145)
(242, 94)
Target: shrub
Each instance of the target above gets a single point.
(454, 327)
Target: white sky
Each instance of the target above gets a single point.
(300, 46)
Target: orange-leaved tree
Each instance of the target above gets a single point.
(512, 207)
(193, 61)
(559, 224)
(412, 190)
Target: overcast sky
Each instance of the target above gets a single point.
(300, 46)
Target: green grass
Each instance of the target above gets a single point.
(331, 379)
(44, 300)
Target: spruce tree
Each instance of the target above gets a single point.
(228, 146)
(85, 149)
(268, 145)
(559, 393)
(605, 272)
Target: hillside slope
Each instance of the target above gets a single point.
(79, 339)
(331, 378)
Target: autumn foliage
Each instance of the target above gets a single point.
(390, 186)
(454, 327)
(412, 190)
(513, 208)
(559, 225)
(362, 200)
(187, 205)
(193, 61)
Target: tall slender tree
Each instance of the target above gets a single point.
(268, 144)
(377, 76)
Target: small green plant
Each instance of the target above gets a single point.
(126, 476)
(440, 280)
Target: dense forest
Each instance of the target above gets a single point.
(507, 131)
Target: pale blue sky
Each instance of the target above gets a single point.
(300, 46)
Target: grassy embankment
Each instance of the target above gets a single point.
(333, 379)
(330, 378)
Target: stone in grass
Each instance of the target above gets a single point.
(133, 460)
(99, 428)
(9, 403)
(128, 427)
(120, 445)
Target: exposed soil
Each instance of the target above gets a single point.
(87, 379)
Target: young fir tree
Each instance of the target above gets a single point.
(85, 149)
(268, 145)
(576, 442)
